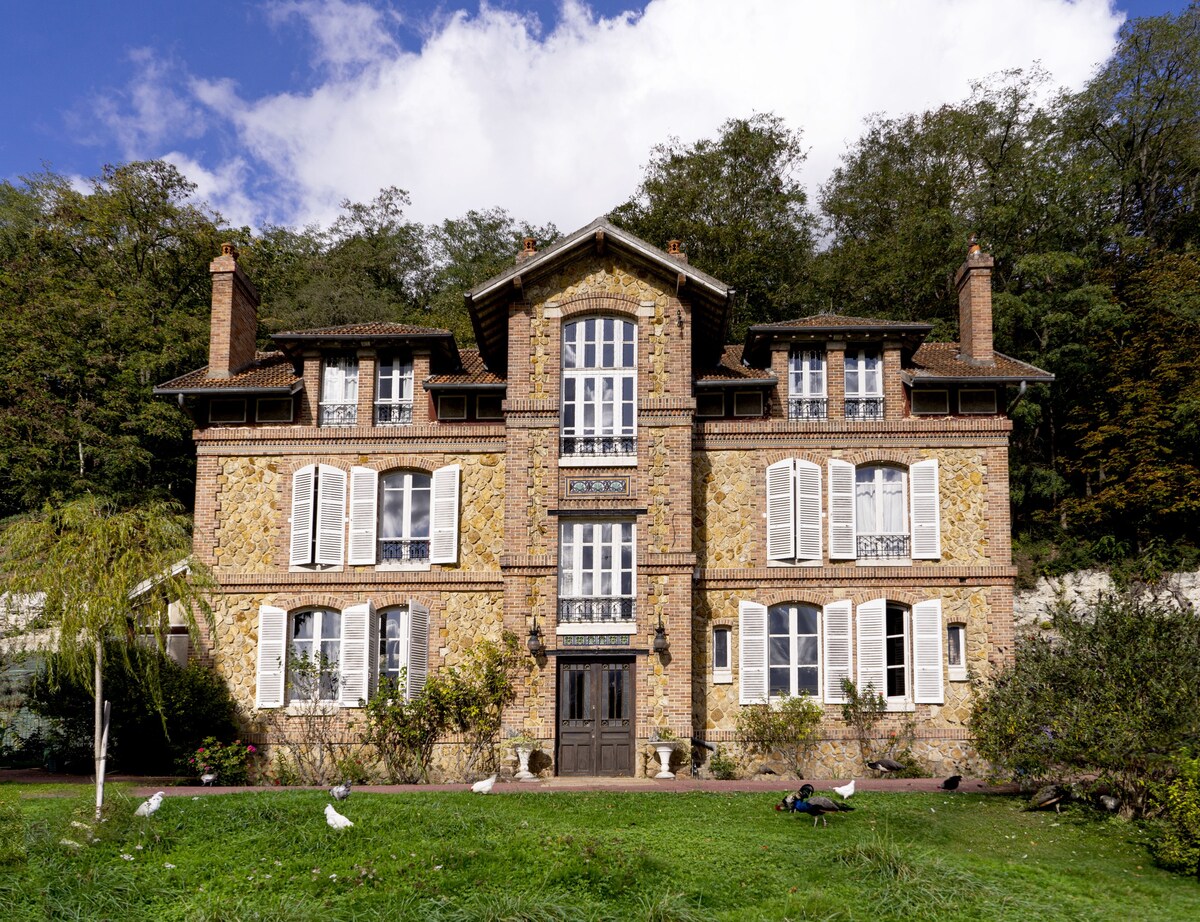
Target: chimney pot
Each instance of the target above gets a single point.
(528, 250)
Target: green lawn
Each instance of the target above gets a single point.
(268, 854)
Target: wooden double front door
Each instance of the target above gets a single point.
(595, 717)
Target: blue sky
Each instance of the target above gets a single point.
(279, 109)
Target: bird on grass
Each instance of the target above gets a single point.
(788, 800)
(885, 765)
(340, 791)
(1051, 795)
(484, 786)
(335, 819)
(846, 790)
(208, 779)
(1109, 803)
(951, 783)
(149, 807)
(817, 807)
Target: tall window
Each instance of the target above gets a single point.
(806, 384)
(393, 643)
(881, 511)
(394, 392)
(316, 643)
(339, 391)
(864, 384)
(895, 645)
(595, 571)
(599, 383)
(404, 507)
(792, 635)
(722, 666)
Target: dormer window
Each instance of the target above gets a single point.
(339, 391)
(599, 381)
(394, 392)
(864, 383)
(806, 384)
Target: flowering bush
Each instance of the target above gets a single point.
(230, 762)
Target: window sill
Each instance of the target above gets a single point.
(795, 563)
(884, 562)
(307, 708)
(315, 568)
(402, 565)
(958, 675)
(598, 461)
(900, 706)
(722, 678)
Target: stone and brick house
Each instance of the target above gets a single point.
(678, 527)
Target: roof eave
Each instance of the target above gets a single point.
(288, 390)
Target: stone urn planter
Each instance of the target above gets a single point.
(523, 748)
(665, 751)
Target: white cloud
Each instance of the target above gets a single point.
(557, 127)
(143, 116)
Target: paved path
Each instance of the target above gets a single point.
(146, 786)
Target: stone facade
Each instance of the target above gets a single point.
(689, 486)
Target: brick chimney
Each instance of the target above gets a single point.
(234, 329)
(974, 283)
(528, 250)
(675, 252)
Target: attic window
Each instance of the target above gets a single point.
(488, 406)
(982, 402)
(452, 407)
(227, 410)
(930, 403)
(748, 403)
(274, 410)
(710, 404)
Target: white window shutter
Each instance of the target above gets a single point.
(808, 510)
(353, 674)
(364, 493)
(372, 652)
(302, 515)
(872, 666)
(842, 543)
(418, 649)
(443, 546)
(272, 657)
(752, 652)
(927, 652)
(925, 510)
(331, 515)
(781, 511)
(836, 635)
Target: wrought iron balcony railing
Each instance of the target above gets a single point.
(339, 414)
(883, 546)
(588, 611)
(808, 408)
(404, 549)
(601, 446)
(864, 408)
(393, 414)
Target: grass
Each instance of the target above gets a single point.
(268, 855)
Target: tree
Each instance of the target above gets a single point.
(737, 204)
(1112, 691)
(102, 574)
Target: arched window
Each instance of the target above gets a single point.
(599, 387)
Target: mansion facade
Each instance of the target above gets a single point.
(675, 527)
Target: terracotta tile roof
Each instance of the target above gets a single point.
(840, 320)
(472, 373)
(368, 329)
(730, 370)
(269, 371)
(940, 360)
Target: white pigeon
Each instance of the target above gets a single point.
(340, 791)
(208, 779)
(335, 819)
(846, 790)
(148, 807)
(484, 786)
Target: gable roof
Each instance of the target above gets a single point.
(488, 302)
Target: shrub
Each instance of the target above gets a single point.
(403, 732)
(722, 767)
(862, 711)
(1115, 692)
(1177, 848)
(230, 762)
(788, 728)
(149, 733)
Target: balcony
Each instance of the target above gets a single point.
(596, 611)
(339, 415)
(808, 408)
(882, 547)
(393, 414)
(404, 549)
(864, 408)
(601, 446)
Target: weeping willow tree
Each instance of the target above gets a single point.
(91, 573)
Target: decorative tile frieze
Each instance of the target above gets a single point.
(598, 486)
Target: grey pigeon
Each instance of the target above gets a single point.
(340, 791)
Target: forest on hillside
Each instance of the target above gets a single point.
(1088, 202)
